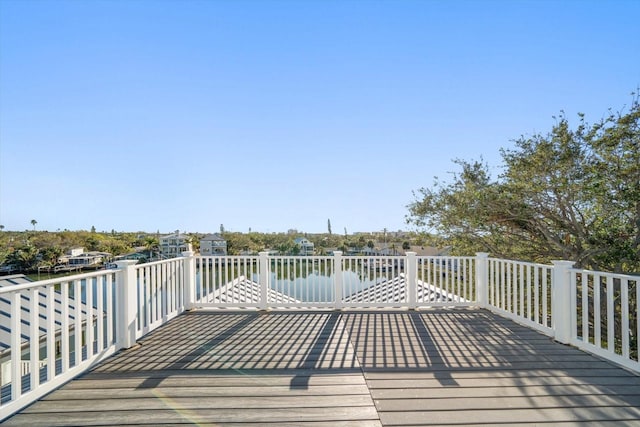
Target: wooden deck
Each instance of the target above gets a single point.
(441, 367)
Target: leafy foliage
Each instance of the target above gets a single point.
(569, 194)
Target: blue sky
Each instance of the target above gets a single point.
(271, 115)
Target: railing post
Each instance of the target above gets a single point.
(189, 280)
(411, 270)
(561, 301)
(263, 277)
(482, 279)
(127, 307)
(337, 279)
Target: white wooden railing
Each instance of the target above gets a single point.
(78, 321)
(521, 291)
(336, 282)
(59, 329)
(604, 317)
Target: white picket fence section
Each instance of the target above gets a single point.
(59, 329)
(62, 327)
(604, 317)
(335, 282)
(521, 291)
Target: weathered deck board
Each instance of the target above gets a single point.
(422, 370)
(218, 369)
(440, 367)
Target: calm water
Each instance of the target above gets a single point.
(315, 286)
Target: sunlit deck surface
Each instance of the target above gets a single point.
(438, 367)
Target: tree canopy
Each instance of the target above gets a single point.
(568, 194)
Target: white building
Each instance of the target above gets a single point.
(172, 245)
(88, 258)
(213, 244)
(306, 247)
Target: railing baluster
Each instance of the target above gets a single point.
(597, 312)
(148, 277)
(89, 317)
(16, 345)
(78, 333)
(34, 339)
(101, 284)
(624, 300)
(521, 303)
(585, 307)
(637, 314)
(64, 324)
(545, 295)
(110, 296)
(51, 332)
(611, 315)
(530, 290)
(536, 299)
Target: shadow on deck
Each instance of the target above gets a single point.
(440, 367)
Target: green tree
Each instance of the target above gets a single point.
(569, 194)
(361, 243)
(51, 254)
(152, 246)
(34, 222)
(329, 226)
(93, 243)
(24, 257)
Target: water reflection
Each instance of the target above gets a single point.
(306, 283)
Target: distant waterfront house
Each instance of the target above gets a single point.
(142, 255)
(75, 251)
(172, 245)
(89, 258)
(213, 244)
(306, 247)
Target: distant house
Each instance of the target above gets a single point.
(172, 245)
(306, 247)
(75, 251)
(141, 255)
(213, 244)
(88, 259)
(430, 250)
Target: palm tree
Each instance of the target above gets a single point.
(1, 227)
(34, 222)
(151, 244)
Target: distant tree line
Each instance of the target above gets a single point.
(28, 250)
